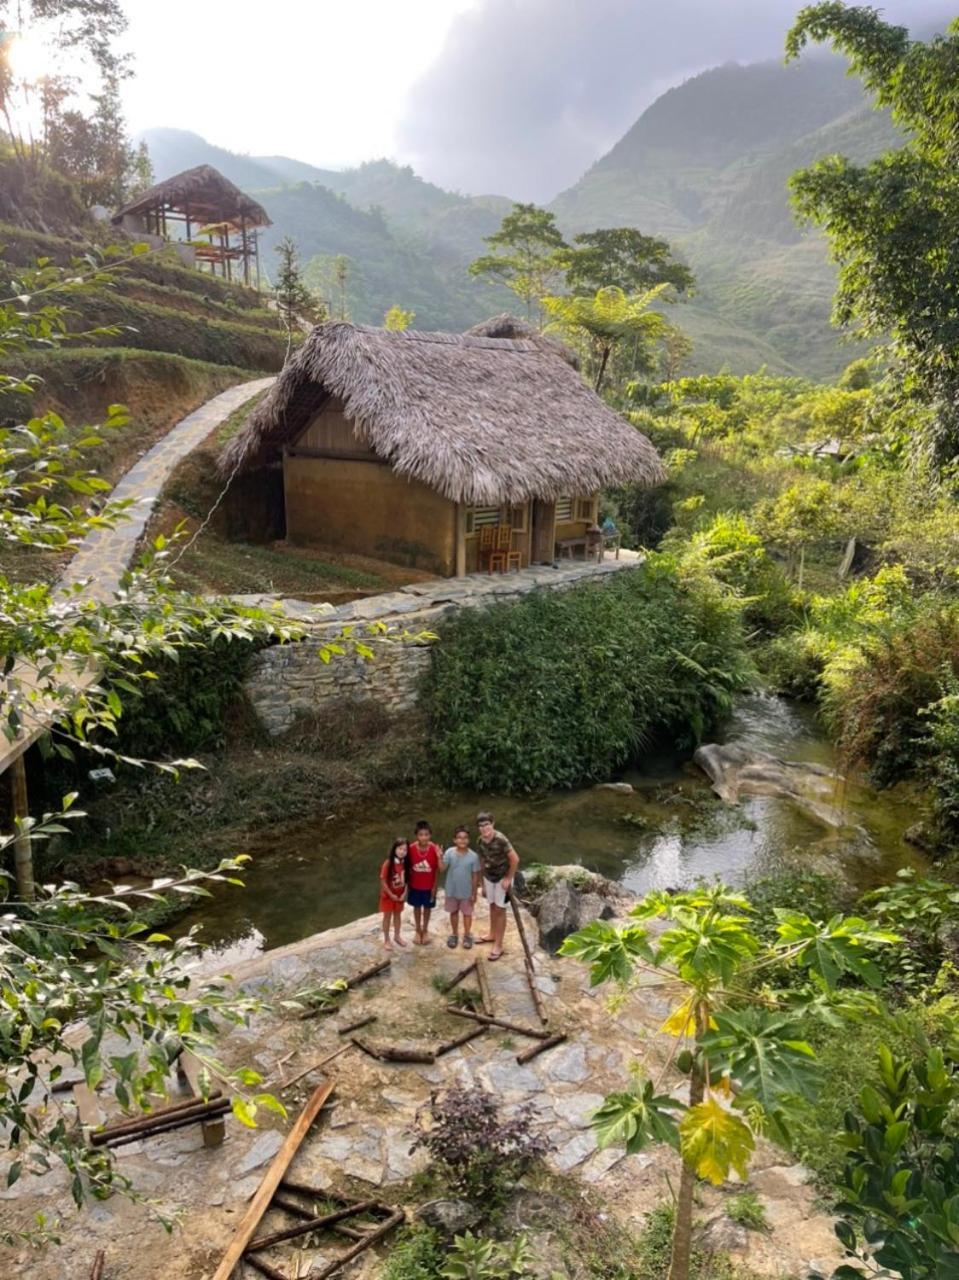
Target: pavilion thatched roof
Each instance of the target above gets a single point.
(481, 420)
(209, 196)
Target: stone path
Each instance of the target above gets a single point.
(105, 553)
(362, 1144)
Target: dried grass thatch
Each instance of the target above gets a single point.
(206, 193)
(481, 420)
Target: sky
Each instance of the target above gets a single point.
(511, 96)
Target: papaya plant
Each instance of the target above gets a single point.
(736, 1036)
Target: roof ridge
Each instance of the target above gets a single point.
(441, 338)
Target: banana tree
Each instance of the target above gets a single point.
(735, 1036)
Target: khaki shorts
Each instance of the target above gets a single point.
(495, 893)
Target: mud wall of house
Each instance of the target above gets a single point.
(253, 510)
(366, 507)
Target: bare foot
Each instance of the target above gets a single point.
(387, 945)
(495, 955)
(418, 940)
(400, 942)
(427, 940)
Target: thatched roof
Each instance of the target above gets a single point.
(209, 196)
(481, 420)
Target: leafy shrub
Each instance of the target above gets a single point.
(478, 1151)
(943, 764)
(822, 896)
(417, 1254)
(922, 911)
(747, 1209)
(561, 689)
(655, 1248)
(475, 1258)
(900, 1187)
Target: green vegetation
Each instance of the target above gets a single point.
(747, 1210)
(565, 688)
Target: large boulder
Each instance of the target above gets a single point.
(449, 1217)
(736, 769)
(563, 909)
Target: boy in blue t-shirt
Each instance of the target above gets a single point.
(462, 885)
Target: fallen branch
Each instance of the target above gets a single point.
(497, 1022)
(550, 1042)
(387, 1053)
(96, 1272)
(530, 967)
(371, 972)
(355, 1026)
(271, 1180)
(449, 1045)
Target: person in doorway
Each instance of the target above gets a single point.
(499, 860)
(462, 885)
(393, 892)
(424, 870)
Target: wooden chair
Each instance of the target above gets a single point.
(486, 546)
(503, 557)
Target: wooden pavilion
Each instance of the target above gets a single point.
(429, 449)
(220, 222)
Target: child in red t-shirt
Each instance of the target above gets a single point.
(423, 862)
(393, 892)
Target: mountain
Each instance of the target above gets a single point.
(707, 166)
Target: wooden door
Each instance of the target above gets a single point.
(543, 540)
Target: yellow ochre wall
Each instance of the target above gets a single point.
(366, 507)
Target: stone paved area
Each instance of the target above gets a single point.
(105, 553)
(361, 1145)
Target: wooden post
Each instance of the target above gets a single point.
(274, 1175)
(186, 215)
(482, 978)
(460, 528)
(23, 845)
(246, 251)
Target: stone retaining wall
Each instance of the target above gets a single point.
(288, 682)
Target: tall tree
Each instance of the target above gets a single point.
(527, 256)
(893, 224)
(609, 322)
(623, 258)
(295, 302)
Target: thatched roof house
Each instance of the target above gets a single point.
(465, 429)
(201, 198)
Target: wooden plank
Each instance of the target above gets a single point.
(530, 967)
(482, 977)
(272, 1179)
(549, 1043)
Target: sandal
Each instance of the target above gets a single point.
(467, 941)
(452, 942)
(494, 955)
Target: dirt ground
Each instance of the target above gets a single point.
(360, 1146)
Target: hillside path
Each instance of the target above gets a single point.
(104, 554)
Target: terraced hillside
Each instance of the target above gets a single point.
(180, 337)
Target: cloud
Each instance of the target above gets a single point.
(526, 94)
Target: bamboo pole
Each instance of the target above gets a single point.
(549, 1043)
(311, 1224)
(194, 1106)
(497, 1022)
(482, 977)
(274, 1175)
(217, 1112)
(314, 1066)
(449, 1045)
(457, 978)
(530, 968)
(393, 1221)
(355, 1026)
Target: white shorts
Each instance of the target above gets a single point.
(495, 893)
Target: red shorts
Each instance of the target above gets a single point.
(387, 904)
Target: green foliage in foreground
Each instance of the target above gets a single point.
(564, 688)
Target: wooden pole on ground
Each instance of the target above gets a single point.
(272, 1179)
(549, 1043)
(97, 1270)
(457, 978)
(482, 977)
(497, 1022)
(311, 1224)
(285, 1084)
(530, 968)
(449, 1045)
(393, 1221)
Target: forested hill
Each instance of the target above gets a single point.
(706, 166)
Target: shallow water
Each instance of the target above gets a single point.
(314, 875)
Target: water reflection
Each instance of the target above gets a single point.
(314, 875)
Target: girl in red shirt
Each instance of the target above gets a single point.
(393, 892)
(424, 869)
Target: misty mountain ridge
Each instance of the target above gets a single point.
(705, 166)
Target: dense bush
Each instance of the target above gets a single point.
(561, 689)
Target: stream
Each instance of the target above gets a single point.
(312, 875)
